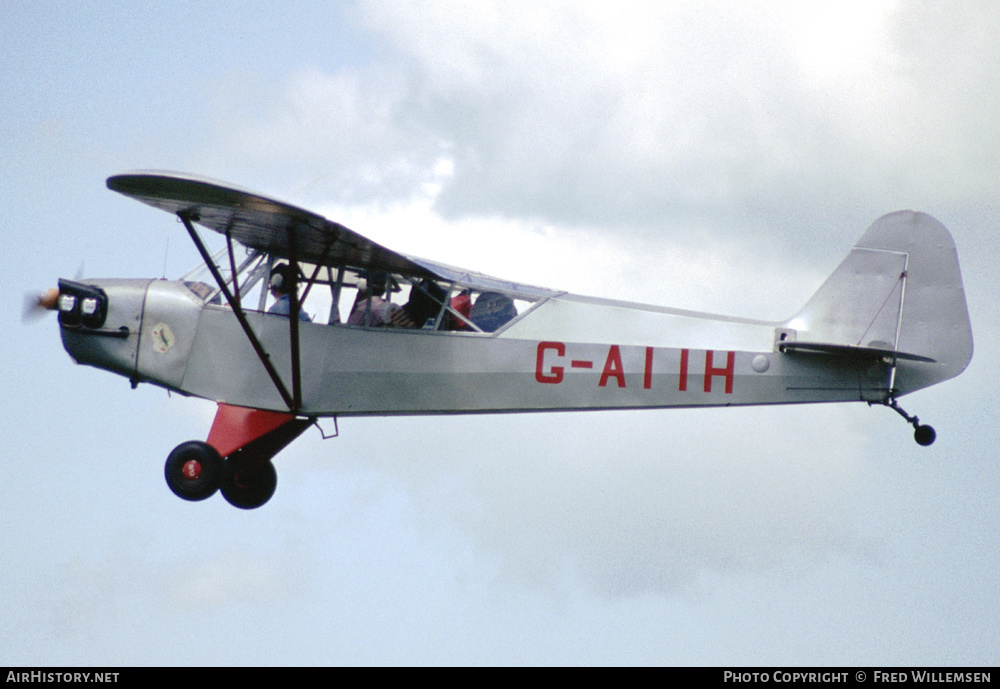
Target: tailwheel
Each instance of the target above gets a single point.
(248, 485)
(194, 470)
(922, 433)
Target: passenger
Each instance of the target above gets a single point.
(493, 310)
(372, 291)
(283, 281)
(462, 304)
(424, 304)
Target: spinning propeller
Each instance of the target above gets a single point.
(35, 305)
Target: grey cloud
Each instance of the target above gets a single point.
(639, 120)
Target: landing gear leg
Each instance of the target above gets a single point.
(923, 434)
(236, 458)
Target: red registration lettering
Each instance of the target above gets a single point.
(555, 373)
(726, 372)
(613, 368)
(647, 376)
(682, 384)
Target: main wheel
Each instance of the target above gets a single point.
(193, 470)
(246, 485)
(924, 435)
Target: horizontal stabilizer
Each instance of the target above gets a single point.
(851, 352)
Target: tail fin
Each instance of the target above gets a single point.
(899, 289)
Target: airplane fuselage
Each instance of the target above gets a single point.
(542, 362)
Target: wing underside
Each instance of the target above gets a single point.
(266, 224)
(261, 223)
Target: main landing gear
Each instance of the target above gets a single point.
(236, 459)
(923, 434)
(194, 471)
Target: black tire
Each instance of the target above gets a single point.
(248, 486)
(194, 470)
(924, 435)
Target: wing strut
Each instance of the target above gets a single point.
(237, 308)
(232, 261)
(293, 319)
(296, 304)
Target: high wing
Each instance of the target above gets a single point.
(282, 230)
(262, 223)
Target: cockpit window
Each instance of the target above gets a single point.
(248, 273)
(361, 298)
(394, 301)
(203, 290)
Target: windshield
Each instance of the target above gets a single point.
(249, 272)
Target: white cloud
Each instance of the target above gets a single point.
(654, 116)
(614, 113)
(346, 135)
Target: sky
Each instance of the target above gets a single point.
(714, 156)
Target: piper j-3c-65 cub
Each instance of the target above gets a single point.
(403, 335)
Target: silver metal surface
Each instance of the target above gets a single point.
(114, 345)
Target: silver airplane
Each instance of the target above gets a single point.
(297, 318)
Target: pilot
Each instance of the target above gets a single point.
(283, 281)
